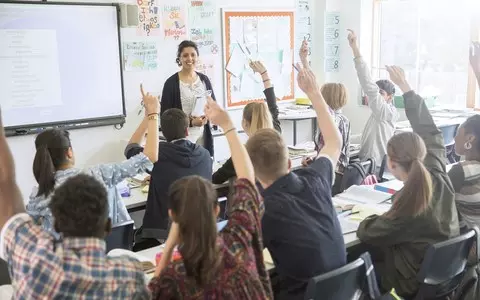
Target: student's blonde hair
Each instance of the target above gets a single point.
(269, 154)
(335, 95)
(408, 150)
(257, 116)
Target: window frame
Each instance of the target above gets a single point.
(471, 90)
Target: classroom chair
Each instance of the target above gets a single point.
(355, 174)
(346, 282)
(443, 267)
(121, 236)
(4, 275)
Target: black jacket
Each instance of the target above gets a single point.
(175, 160)
(171, 99)
(227, 170)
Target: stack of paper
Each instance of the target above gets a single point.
(363, 195)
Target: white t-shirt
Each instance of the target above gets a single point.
(188, 95)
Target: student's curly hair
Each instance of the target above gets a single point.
(80, 207)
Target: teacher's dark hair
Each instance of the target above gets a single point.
(52, 146)
(183, 45)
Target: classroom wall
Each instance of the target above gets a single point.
(106, 144)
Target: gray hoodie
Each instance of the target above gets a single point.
(380, 126)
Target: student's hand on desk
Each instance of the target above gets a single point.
(199, 121)
(257, 67)
(217, 115)
(475, 57)
(151, 103)
(397, 75)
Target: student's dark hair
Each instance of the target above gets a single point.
(408, 150)
(174, 123)
(387, 86)
(52, 146)
(472, 126)
(193, 201)
(185, 44)
(80, 207)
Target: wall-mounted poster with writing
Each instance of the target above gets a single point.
(148, 18)
(174, 19)
(202, 16)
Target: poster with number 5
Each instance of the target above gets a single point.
(332, 41)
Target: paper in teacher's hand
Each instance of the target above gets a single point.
(200, 102)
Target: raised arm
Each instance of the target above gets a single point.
(379, 107)
(11, 202)
(241, 159)
(475, 60)
(421, 121)
(326, 124)
(258, 67)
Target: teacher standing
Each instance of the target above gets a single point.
(182, 89)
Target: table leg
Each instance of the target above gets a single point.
(294, 132)
(314, 129)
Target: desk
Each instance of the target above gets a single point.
(307, 114)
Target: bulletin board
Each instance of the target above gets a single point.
(267, 36)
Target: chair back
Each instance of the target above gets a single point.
(443, 266)
(121, 236)
(355, 173)
(340, 284)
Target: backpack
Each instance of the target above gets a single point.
(359, 173)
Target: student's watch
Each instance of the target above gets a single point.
(153, 116)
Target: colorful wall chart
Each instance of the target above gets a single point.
(174, 22)
(267, 36)
(140, 56)
(148, 17)
(202, 16)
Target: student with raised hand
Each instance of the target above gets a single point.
(423, 212)
(54, 163)
(75, 268)
(178, 157)
(380, 126)
(336, 97)
(465, 175)
(255, 117)
(300, 225)
(225, 265)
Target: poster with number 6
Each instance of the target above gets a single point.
(332, 41)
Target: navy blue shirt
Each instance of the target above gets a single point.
(300, 225)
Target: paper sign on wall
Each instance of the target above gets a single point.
(202, 16)
(148, 17)
(174, 19)
(332, 41)
(140, 56)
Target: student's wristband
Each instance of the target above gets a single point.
(263, 72)
(268, 79)
(230, 130)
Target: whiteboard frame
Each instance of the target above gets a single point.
(117, 120)
(225, 54)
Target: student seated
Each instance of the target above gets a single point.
(336, 97)
(76, 267)
(465, 176)
(300, 225)
(54, 163)
(177, 157)
(423, 212)
(255, 117)
(380, 126)
(225, 265)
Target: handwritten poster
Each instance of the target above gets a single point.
(206, 65)
(202, 17)
(174, 18)
(148, 17)
(332, 41)
(140, 56)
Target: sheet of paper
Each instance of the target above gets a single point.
(202, 16)
(140, 56)
(236, 62)
(363, 195)
(198, 109)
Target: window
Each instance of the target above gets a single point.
(430, 39)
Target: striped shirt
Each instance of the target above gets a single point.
(465, 177)
(76, 268)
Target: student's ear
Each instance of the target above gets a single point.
(108, 226)
(170, 214)
(186, 131)
(70, 153)
(217, 210)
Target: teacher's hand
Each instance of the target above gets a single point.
(198, 121)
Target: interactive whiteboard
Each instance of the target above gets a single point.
(59, 65)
